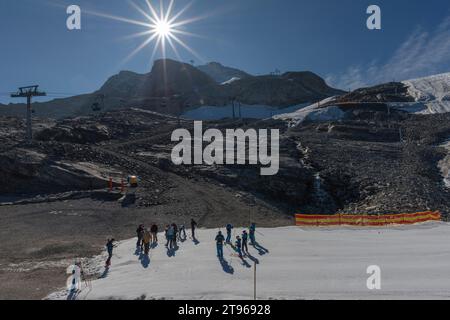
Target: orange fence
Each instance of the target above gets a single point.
(365, 220)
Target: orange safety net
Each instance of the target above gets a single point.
(365, 220)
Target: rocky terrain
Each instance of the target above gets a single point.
(365, 157)
(56, 195)
(371, 162)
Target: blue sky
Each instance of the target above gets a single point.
(328, 37)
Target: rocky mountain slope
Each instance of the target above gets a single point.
(173, 87)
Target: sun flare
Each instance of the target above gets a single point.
(162, 29)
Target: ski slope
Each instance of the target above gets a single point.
(433, 92)
(312, 113)
(299, 264)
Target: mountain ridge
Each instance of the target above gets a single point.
(173, 87)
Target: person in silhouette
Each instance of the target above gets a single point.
(170, 235)
(109, 248)
(219, 244)
(154, 233)
(146, 240)
(140, 235)
(229, 229)
(238, 246)
(244, 242)
(193, 226)
(175, 234)
(182, 233)
(252, 231)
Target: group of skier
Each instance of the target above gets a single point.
(148, 237)
(240, 245)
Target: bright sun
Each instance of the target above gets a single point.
(163, 28)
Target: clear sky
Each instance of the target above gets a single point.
(328, 37)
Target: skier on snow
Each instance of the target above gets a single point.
(146, 240)
(193, 226)
(182, 231)
(229, 229)
(109, 249)
(170, 235)
(175, 234)
(219, 244)
(252, 230)
(140, 236)
(154, 233)
(244, 242)
(238, 246)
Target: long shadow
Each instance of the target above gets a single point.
(171, 252)
(145, 260)
(138, 251)
(261, 250)
(255, 260)
(104, 274)
(245, 263)
(73, 294)
(226, 266)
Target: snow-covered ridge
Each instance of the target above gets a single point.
(432, 91)
(297, 264)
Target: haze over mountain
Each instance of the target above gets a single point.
(173, 87)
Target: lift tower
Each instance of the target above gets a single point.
(28, 92)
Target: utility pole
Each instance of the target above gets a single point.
(254, 280)
(232, 105)
(28, 92)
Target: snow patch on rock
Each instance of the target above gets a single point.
(313, 112)
(433, 92)
(231, 81)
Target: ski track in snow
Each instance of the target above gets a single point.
(300, 264)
